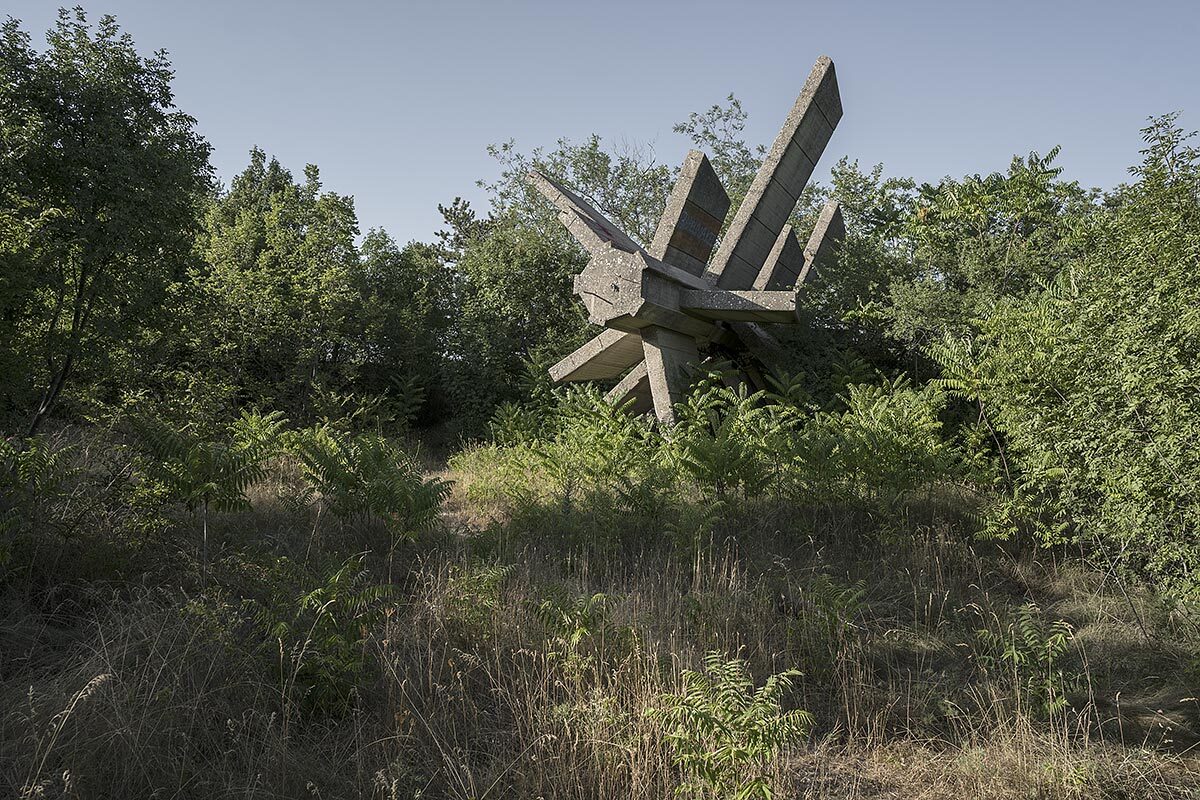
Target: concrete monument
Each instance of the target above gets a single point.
(661, 304)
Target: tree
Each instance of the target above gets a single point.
(276, 301)
(101, 177)
(981, 239)
(718, 132)
(408, 295)
(1092, 380)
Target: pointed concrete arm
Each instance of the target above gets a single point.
(743, 306)
(589, 227)
(779, 181)
(692, 220)
(826, 240)
(606, 356)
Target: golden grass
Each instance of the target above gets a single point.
(473, 690)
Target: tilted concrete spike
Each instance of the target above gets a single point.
(783, 265)
(636, 387)
(780, 180)
(589, 227)
(693, 217)
(669, 354)
(826, 240)
(727, 304)
(603, 357)
(761, 344)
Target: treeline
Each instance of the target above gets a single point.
(1060, 320)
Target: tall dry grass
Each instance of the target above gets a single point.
(489, 674)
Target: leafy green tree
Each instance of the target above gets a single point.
(516, 304)
(1092, 381)
(405, 317)
(101, 177)
(277, 298)
(718, 131)
(983, 238)
(626, 183)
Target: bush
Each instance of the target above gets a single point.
(1092, 382)
(725, 733)
(361, 476)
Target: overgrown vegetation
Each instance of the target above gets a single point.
(290, 511)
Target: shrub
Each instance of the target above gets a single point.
(725, 733)
(359, 476)
(1091, 382)
(886, 444)
(203, 472)
(1031, 650)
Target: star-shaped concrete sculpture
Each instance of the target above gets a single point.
(662, 303)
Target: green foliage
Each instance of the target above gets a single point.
(834, 604)
(886, 444)
(276, 299)
(1089, 381)
(624, 183)
(471, 597)
(595, 446)
(200, 471)
(32, 473)
(720, 438)
(823, 624)
(718, 131)
(101, 177)
(1032, 650)
(203, 472)
(320, 633)
(402, 327)
(580, 630)
(725, 733)
(982, 239)
(358, 476)
(582, 455)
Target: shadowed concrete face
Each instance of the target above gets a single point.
(660, 304)
(693, 217)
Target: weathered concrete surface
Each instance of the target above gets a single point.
(752, 306)
(630, 291)
(777, 185)
(604, 357)
(669, 354)
(693, 217)
(826, 240)
(635, 386)
(784, 264)
(589, 227)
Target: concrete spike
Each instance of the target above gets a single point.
(605, 356)
(693, 217)
(825, 242)
(589, 227)
(783, 265)
(752, 306)
(636, 387)
(779, 181)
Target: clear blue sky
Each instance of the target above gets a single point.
(397, 101)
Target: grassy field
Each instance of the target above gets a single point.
(520, 647)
